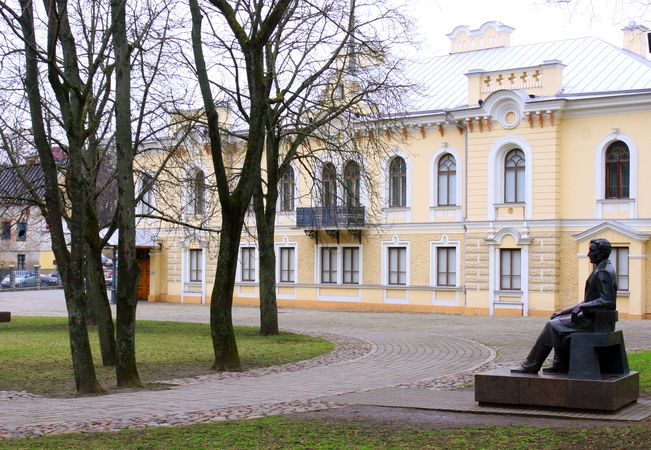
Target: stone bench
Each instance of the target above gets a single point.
(5, 316)
(600, 352)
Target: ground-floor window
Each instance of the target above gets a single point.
(510, 269)
(196, 260)
(619, 260)
(446, 266)
(328, 265)
(248, 263)
(351, 265)
(287, 265)
(398, 265)
(20, 263)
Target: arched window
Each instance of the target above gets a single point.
(351, 182)
(514, 177)
(447, 181)
(287, 190)
(198, 192)
(147, 191)
(618, 169)
(329, 194)
(398, 182)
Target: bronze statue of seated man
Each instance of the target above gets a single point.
(600, 294)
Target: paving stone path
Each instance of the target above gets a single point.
(374, 350)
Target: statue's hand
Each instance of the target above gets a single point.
(556, 314)
(575, 313)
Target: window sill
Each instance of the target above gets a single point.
(509, 292)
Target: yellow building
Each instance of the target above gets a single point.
(515, 158)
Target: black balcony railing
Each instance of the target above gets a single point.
(331, 217)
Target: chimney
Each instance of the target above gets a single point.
(635, 39)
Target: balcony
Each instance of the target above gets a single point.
(332, 217)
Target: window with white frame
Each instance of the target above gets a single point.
(287, 265)
(351, 265)
(398, 182)
(510, 269)
(248, 264)
(196, 265)
(397, 267)
(287, 190)
(446, 266)
(328, 265)
(447, 181)
(514, 177)
(619, 260)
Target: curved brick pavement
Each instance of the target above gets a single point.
(407, 348)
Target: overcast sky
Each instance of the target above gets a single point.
(532, 23)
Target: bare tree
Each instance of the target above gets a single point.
(338, 83)
(59, 81)
(272, 63)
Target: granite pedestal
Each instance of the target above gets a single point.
(608, 393)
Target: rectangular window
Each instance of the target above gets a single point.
(398, 265)
(287, 268)
(6, 230)
(619, 260)
(510, 269)
(248, 263)
(21, 231)
(351, 265)
(20, 263)
(195, 265)
(446, 266)
(328, 265)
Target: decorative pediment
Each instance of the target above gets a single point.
(612, 226)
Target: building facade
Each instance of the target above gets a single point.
(510, 161)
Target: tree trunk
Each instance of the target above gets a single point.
(70, 262)
(128, 268)
(98, 303)
(227, 357)
(266, 248)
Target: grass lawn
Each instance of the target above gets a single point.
(167, 350)
(35, 353)
(292, 433)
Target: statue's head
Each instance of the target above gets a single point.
(600, 249)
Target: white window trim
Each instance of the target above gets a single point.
(185, 266)
(386, 190)
(434, 172)
(340, 264)
(139, 190)
(384, 265)
(600, 175)
(522, 241)
(296, 193)
(188, 208)
(434, 245)
(277, 246)
(256, 262)
(496, 159)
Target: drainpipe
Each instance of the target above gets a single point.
(464, 186)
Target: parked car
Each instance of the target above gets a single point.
(29, 280)
(108, 278)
